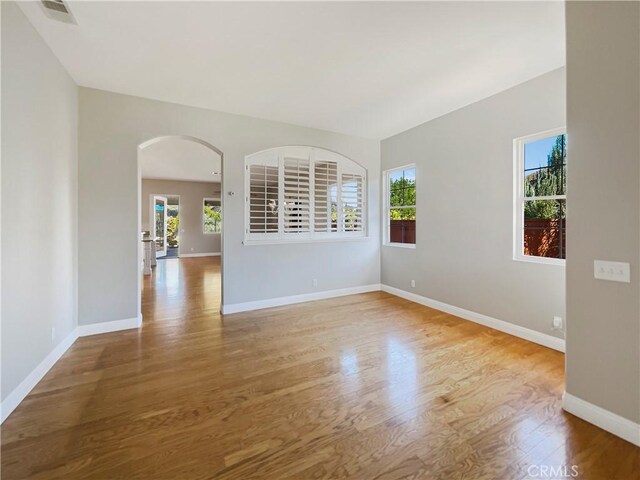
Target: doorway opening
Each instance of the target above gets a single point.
(181, 222)
(165, 211)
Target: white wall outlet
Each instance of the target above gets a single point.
(557, 323)
(612, 271)
(191, 249)
(413, 284)
(53, 334)
(314, 282)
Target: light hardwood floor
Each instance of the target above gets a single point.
(367, 387)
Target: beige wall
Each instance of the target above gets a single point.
(603, 201)
(192, 238)
(39, 200)
(464, 227)
(112, 126)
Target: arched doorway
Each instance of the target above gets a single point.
(173, 209)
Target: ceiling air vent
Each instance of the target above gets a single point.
(58, 10)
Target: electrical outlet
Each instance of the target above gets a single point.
(413, 284)
(557, 323)
(314, 282)
(53, 334)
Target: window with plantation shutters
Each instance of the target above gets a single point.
(303, 194)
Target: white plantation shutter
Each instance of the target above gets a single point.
(352, 202)
(303, 193)
(297, 195)
(325, 190)
(263, 198)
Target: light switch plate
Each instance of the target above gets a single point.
(612, 271)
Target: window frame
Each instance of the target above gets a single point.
(204, 218)
(275, 157)
(519, 197)
(386, 217)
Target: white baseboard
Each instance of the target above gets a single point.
(186, 255)
(21, 391)
(612, 423)
(113, 326)
(517, 331)
(306, 297)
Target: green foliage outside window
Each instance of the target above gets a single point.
(402, 192)
(212, 219)
(548, 181)
(172, 231)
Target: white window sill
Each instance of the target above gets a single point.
(287, 241)
(558, 262)
(400, 245)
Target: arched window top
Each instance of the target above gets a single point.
(313, 153)
(298, 193)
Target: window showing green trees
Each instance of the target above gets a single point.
(212, 216)
(402, 205)
(544, 197)
(549, 180)
(173, 225)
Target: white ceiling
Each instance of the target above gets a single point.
(368, 69)
(179, 159)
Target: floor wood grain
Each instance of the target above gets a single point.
(368, 386)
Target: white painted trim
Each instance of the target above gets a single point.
(609, 421)
(518, 197)
(21, 391)
(411, 246)
(285, 241)
(386, 198)
(106, 327)
(306, 297)
(516, 330)
(212, 254)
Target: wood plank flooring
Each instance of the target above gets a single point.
(365, 387)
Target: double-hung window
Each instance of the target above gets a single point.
(540, 197)
(400, 206)
(303, 194)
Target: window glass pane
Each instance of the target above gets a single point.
(173, 225)
(402, 188)
(212, 216)
(394, 177)
(410, 176)
(402, 225)
(159, 223)
(545, 167)
(545, 228)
